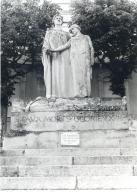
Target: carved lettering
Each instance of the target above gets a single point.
(68, 117)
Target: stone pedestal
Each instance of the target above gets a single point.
(69, 122)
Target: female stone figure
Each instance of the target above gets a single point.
(82, 58)
(57, 75)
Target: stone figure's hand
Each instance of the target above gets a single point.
(48, 51)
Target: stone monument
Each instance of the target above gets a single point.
(67, 110)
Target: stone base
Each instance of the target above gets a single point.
(83, 122)
(69, 115)
(88, 139)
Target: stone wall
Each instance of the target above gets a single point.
(32, 85)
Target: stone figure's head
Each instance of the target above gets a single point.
(57, 20)
(74, 29)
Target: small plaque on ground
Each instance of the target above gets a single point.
(70, 138)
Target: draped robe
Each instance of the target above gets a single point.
(57, 71)
(82, 59)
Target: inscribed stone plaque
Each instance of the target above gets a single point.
(70, 138)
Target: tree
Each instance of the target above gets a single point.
(23, 27)
(112, 26)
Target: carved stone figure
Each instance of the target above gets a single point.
(57, 75)
(82, 59)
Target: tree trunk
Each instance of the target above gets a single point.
(4, 111)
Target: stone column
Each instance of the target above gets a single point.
(1, 138)
(131, 92)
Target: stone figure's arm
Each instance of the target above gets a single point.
(63, 47)
(46, 44)
(45, 55)
(91, 49)
(68, 36)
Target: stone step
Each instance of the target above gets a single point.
(79, 160)
(116, 190)
(62, 183)
(66, 160)
(121, 190)
(36, 160)
(34, 183)
(72, 151)
(74, 170)
(107, 182)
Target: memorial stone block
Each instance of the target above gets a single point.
(44, 115)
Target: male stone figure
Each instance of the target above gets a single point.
(82, 58)
(57, 74)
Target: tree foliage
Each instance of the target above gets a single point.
(23, 26)
(112, 26)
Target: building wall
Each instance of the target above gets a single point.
(32, 85)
